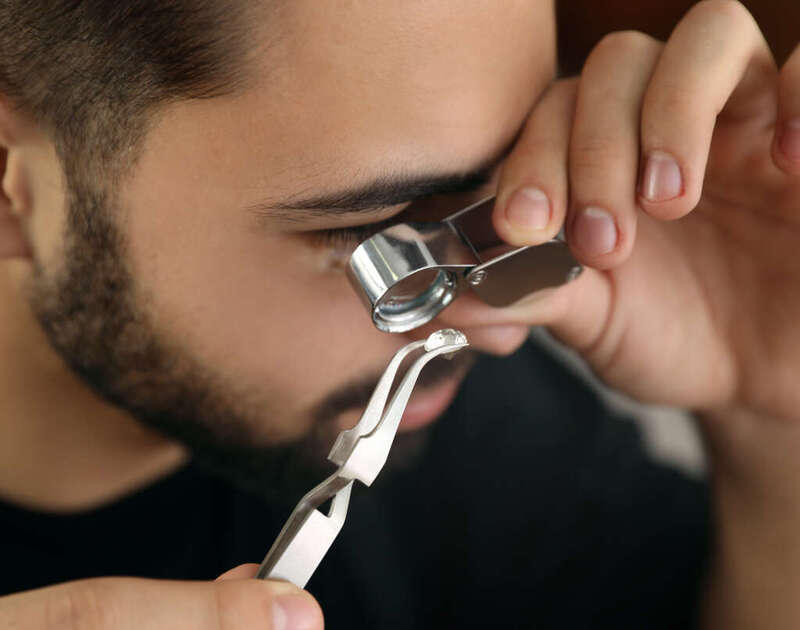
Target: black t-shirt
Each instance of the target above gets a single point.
(532, 507)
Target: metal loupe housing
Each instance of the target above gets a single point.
(408, 273)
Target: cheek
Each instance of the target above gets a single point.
(263, 310)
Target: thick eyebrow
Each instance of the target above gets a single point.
(383, 192)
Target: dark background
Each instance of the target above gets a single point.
(582, 23)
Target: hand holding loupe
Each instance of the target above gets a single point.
(408, 273)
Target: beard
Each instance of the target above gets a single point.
(92, 315)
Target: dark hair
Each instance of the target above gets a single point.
(89, 71)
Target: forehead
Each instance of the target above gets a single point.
(409, 78)
(345, 89)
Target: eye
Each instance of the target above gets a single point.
(348, 238)
(428, 209)
(345, 237)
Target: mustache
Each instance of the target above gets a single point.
(356, 394)
(283, 473)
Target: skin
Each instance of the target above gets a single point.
(695, 300)
(237, 291)
(209, 270)
(698, 312)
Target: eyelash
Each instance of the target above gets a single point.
(344, 237)
(348, 236)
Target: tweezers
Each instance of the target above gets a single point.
(360, 453)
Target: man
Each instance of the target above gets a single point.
(182, 184)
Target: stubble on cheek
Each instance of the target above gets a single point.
(90, 309)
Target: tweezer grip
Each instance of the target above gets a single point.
(307, 534)
(361, 453)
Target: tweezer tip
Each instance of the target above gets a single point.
(445, 337)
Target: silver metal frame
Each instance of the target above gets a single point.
(360, 453)
(408, 273)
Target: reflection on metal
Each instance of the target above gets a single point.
(407, 274)
(360, 453)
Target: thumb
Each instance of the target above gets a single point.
(132, 604)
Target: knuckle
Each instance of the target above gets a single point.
(237, 602)
(733, 12)
(620, 44)
(527, 159)
(667, 101)
(80, 606)
(596, 153)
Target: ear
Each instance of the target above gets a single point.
(14, 187)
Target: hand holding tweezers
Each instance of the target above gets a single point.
(360, 453)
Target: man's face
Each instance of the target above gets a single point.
(222, 218)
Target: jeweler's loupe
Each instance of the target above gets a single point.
(408, 273)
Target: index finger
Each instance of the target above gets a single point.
(715, 62)
(532, 191)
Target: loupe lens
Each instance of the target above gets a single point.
(415, 300)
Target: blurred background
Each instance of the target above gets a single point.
(670, 435)
(582, 23)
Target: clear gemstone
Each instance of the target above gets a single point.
(445, 337)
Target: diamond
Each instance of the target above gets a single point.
(445, 337)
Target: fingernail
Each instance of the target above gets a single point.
(295, 612)
(595, 232)
(528, 209)
(789, 141)
(662, 179)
